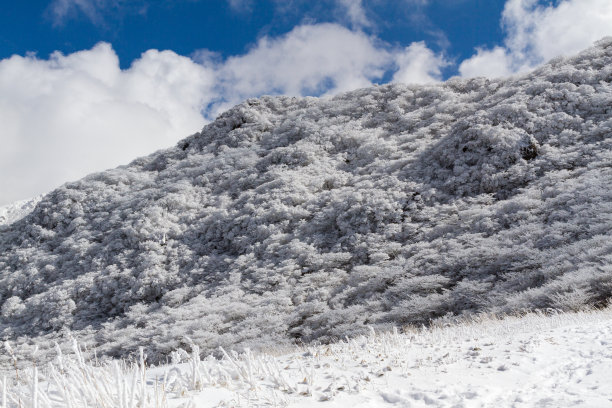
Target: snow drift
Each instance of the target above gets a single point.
(311, 218)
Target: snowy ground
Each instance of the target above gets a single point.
(563, 360)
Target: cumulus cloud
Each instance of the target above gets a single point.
(488, 63)
(69, 115)
(317, 59)
(537, 33)
(418, 64)
(321, 59)
(541, 33)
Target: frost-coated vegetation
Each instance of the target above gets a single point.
(537, 360)
(311, 218)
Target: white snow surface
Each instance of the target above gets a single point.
(537, 360)
(15, 211)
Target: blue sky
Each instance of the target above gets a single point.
(87, 85)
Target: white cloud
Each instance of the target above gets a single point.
(240, 5)
(95, 11)
(322, 59)
(536, 33)
(70, 115)
(309, 60)
(542, 33)
(487, 63)
(73, 114)
(418, 64)
(63, 9)
(355, 12)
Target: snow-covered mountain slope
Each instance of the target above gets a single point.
(313, 218)
(17, 210)
(536, 360)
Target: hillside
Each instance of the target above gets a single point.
(309, 219)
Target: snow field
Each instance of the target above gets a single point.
(543, 360)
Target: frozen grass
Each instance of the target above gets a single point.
(307, 375)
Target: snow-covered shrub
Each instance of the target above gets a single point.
(12, 308)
